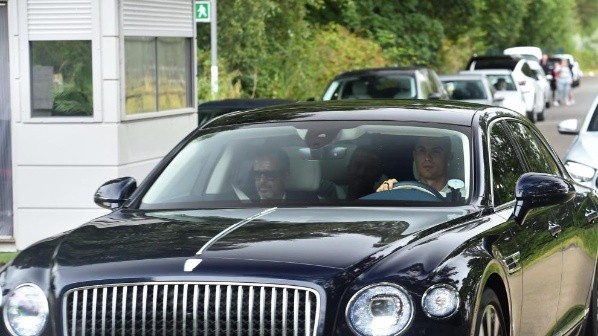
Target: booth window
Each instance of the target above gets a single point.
(157, 74)
(61, 79)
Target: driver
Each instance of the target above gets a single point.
(431, 156)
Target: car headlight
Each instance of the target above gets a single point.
(579, 171)
(380, 309)
(440, 301)
(26, 310)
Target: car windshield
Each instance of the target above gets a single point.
(323, 163)
(390, 86)
(465, 89)
(494, 63)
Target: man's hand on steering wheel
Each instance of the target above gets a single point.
(387, 185)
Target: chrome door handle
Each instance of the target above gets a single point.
(554, 229)
(591, 216)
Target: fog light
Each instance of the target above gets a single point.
(440, 301)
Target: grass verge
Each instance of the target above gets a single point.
(6, 257)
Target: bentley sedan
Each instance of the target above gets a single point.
(365, 217)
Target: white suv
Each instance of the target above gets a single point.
(533, 93)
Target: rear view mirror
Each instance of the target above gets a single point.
(324, 153)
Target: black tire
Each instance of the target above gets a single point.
(531, 116)
(490, 320)
(541, 116)
(591, 324)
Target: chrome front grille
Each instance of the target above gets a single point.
(205, 308)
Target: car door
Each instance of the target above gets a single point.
(539, 255)
(523, 75)
(573, 219)
(566, 224)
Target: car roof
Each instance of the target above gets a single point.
(427, 111)
(491, 57)
(569, 56)
(463, 76)
(385, 70)
(244, 103)
(488, 71)
(495, 61)
(525, 50)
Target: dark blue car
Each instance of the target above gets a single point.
(313, 240)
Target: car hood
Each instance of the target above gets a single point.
(246, 242)
(583, 149)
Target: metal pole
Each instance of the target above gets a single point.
(214, 49)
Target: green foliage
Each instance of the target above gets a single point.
(292, 49)
(317, 60)
(72, 100)
(5, 257)
(549, 24)
(587, 14)
(587, 56)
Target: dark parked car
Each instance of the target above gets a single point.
(386, 83)
(214, 108)
(507, 246)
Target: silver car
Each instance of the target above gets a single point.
(508, 91)
(473, 88)
(581, 158)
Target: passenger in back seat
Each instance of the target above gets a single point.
(364, 171)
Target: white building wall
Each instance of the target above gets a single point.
(58, 163)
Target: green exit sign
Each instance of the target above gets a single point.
(202, 11)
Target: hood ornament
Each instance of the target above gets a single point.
(191, 264)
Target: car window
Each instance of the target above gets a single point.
(377, 86)
(527, 70)
(314, 163)
(536, 154)
(492, 63)
(465, 89)
(505, 163)
(496, 81)
(593, 127)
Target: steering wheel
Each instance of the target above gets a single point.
(419, 186)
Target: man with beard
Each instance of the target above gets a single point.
(431, 156)
(271, 171)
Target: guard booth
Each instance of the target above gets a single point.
(90, 90)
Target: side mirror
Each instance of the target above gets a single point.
(568, 126)
(114, 193)
(535, 190)
(498, 98)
